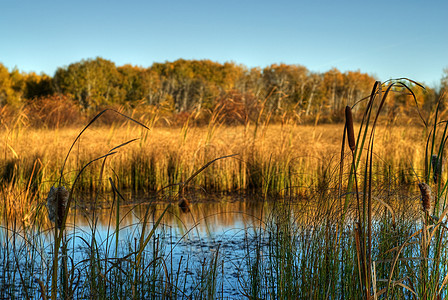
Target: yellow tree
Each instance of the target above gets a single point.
(11, 86)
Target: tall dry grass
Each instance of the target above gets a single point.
(272, 159)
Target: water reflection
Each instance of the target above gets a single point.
(210, 228)
(204, 218)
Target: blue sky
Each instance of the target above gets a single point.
(387, 39)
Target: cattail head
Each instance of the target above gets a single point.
(184, 205)
(437, 167)
(425, 190)
(350, 129)
(56, 203)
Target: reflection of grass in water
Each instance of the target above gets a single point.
(98, 267)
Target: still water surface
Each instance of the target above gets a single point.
(225, 227)
(222, 228)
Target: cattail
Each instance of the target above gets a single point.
(184, 205)
(56, 203)
(349, 126)
(425, 190)
(437, 167)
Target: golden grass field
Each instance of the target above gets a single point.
(269, 158)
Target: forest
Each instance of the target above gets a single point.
(184, 88)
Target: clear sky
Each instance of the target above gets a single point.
(387, 39)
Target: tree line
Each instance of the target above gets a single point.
(186, 86)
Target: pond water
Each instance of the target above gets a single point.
(219, 229)
(219, 239)
(187, 241)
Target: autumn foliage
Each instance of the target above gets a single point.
(184, 88)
